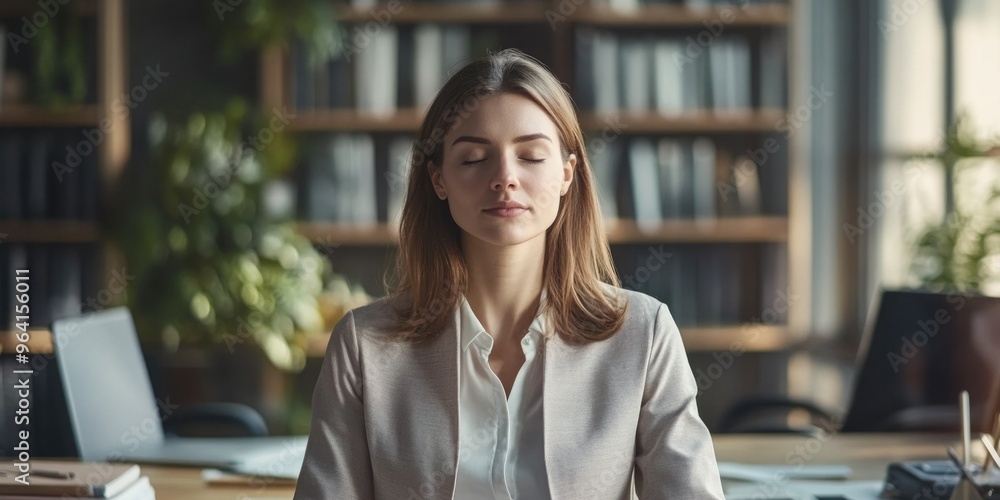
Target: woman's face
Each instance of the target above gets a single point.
(502, 171)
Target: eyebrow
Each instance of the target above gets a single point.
(482, 140)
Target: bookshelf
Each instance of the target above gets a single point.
(57, 229)
(516, 12)
(654, 15)
(771, 227)
(26, 116)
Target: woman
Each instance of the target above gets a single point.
(506, 362)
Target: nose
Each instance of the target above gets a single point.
(505, 176)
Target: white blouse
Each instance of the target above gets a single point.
(500, 450)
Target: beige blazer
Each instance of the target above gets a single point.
(385, 414)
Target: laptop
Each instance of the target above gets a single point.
(115, 416)
(919, 351)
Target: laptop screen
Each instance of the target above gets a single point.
(108, 393)
(923, 350)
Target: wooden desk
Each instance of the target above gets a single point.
(868, 454)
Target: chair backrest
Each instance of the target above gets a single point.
(919, 353)
(108, 394)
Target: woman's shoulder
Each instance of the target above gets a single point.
(640, 305)
(375, 315)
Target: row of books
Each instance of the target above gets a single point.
(396, 67)
(627, 5)
(63, 281)
(673, 76)
(54, 479)
(361, 179)
(652, 179)
(354, 178)
(51, 174)
(709, 285)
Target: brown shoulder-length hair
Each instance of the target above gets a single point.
(431, 275)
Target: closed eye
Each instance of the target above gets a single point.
(476, 162)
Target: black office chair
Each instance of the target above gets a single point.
(921, 352)
(215, 420)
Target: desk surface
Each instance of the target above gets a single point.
(867, 454)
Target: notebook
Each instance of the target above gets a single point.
(89, 479)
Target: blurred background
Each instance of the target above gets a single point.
(232, 171)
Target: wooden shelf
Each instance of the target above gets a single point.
(726, 230)
(680, 16)
(347, 120)
(524, 12)
(757, 120)
(750, 338)
(21, 115)
(49, 231)
(17, 8)
(408, 120)
(722, 230)
(332, 233)
(535, 12)
(39, 342)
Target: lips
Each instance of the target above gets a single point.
(505, 205)
(506, 209)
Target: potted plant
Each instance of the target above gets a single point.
(963, 252)
(212, 268)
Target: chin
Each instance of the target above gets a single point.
(503, 237)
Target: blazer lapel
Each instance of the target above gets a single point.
(554, 419)
(415, 419)
(443, 385)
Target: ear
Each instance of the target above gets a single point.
(569, 170)
(435, 174)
